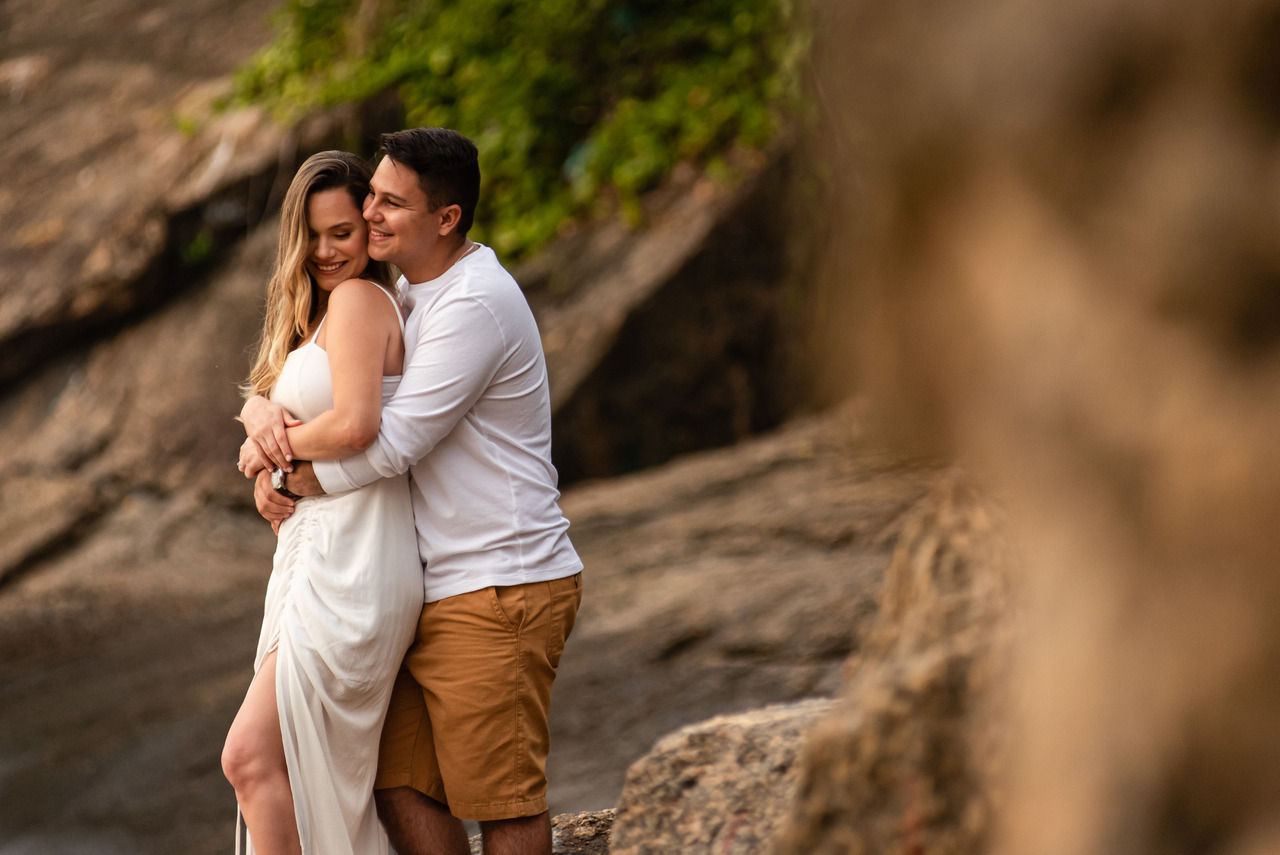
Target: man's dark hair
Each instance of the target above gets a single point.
(447, 164)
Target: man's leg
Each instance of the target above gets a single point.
(526, 835)
(489, 659)
(419, 825)
(483, 663)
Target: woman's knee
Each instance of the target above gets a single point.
(254, 751)
(245, 761)
(236, 761)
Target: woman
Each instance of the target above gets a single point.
(346, 585)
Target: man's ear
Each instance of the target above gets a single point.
(450, 216)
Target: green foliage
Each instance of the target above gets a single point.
(576, 105)
(199, 251)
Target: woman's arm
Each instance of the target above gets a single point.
(360, 326)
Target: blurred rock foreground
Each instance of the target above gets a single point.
(1061, 264)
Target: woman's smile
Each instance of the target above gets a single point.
(339, 238)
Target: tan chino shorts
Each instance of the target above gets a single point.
(467, 724)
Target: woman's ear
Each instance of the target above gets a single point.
(450, 216)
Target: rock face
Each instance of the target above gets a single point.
(720, 786)
(908, 758)
(97, 142)
(143, 184)
(679, 337)
(149, 411)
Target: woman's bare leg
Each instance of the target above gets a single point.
(253, 760)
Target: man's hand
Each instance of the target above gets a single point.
(274, 507)
(265, 422)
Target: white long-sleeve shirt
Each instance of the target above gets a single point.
(471, 422)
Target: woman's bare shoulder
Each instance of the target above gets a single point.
(364, 298)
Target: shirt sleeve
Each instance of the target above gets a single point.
(457, 354)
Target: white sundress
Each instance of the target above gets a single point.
(342, 606)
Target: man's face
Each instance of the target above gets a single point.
(402, 229)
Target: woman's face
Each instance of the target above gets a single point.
(339, 247)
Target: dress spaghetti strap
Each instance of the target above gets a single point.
(315, 335)
(395, 304)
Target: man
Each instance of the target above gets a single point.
(466, 735)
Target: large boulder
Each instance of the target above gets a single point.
(908, 758)
(724, 785)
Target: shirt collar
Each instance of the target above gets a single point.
(411, 293)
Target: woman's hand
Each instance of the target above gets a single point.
(265, 422)
(253, 459)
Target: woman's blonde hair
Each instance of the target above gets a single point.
(292, 292)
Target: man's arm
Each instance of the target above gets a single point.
(458, 352)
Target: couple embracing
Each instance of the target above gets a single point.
(405, 464)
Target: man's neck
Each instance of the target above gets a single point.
(439, 265)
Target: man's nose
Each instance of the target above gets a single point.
(372, 210)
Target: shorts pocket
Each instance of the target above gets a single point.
(510, 605)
